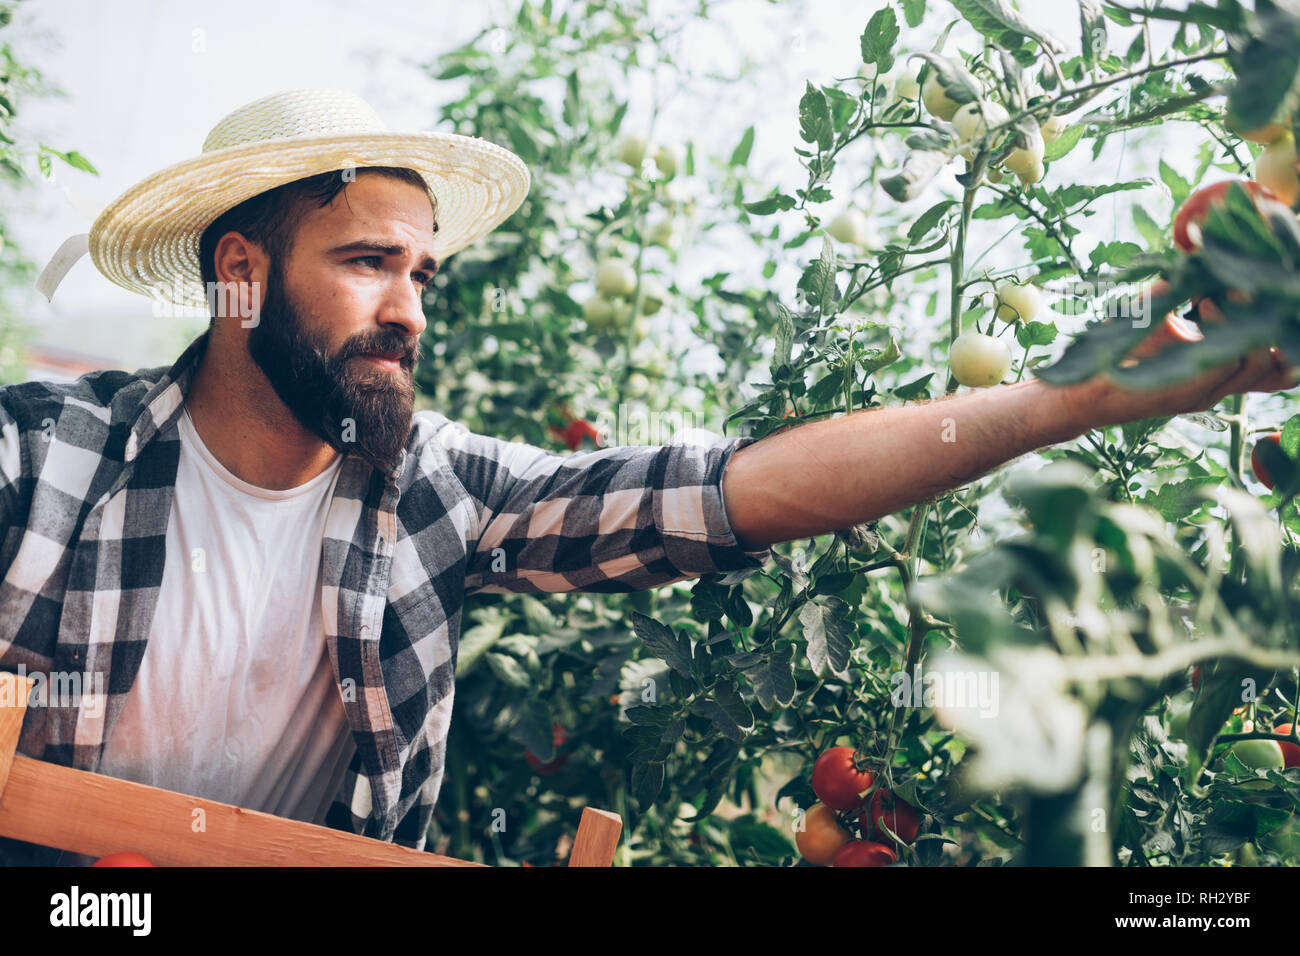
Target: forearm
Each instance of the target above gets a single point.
(836, 473)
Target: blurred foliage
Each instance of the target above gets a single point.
(18, 82)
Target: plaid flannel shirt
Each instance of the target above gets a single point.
(87, 472)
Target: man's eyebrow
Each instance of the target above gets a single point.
(370, 245)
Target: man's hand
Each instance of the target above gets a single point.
(1099, 401)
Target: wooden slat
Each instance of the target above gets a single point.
(13, 707)
(597, 838)
(96, 815)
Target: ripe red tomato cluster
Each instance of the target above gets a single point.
(844, 788)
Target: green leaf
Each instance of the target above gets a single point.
(1267, 67)
(928, 220)
(914, 388)
(913, 12)
(1152, 234)
(507, 669)
(879, 38)
(1179, 187)
(647, 781)
(1036, 333)
(773, 679)
(920, 167)
(1002, 24)
(727, 710)
(784, 338)
(775, 203)
(815, 119)
(1113, 254)
(673, 648)
(740, 155)
(1093, 25)
(828, 629)
(1064, 143)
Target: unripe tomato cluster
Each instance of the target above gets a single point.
(853, 824)
(668, 158)
(972, 121)
(610, 309)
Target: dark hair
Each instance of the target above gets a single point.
(271, 219)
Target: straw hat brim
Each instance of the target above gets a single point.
(147, 240)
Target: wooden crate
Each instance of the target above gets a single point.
(96, 815)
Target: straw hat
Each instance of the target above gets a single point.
(147, 240)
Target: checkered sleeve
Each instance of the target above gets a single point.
(11, 467)
(627, 518)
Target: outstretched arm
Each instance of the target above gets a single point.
(832, 474)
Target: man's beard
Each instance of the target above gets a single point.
(355, 407)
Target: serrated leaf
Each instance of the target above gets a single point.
(878, 39)
(728, 712)
(663, 642)
(829, 636)
(507, 669)
(647, 781)
(815, 124)
(1004, 25)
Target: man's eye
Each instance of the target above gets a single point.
(375, 259)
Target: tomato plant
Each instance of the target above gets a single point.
(964, 206)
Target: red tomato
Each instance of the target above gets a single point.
(821, 836)
(864, 853)
(579, 430)
(1257, 465)
(837, 782)
(558, 737)
(899, 815)
(1187, 224)
(125, 858)
(1290, 752)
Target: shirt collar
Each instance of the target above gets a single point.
(162, 404)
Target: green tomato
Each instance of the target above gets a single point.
(978, 360)
(1018, 303)
(1053, 127)
(936, 98)
(615, 277)
(653, 295)
(600, 313)
(631, 150)
(1276, 169)
(1259, 754)
(906, 86)
(664, 233)
(1023, 160)
(669, 159)
(974, 119)
(850, 226)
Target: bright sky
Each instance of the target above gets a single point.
(146, 79)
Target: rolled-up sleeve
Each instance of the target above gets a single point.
(627, 518)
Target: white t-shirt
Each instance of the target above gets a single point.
(236, 699)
